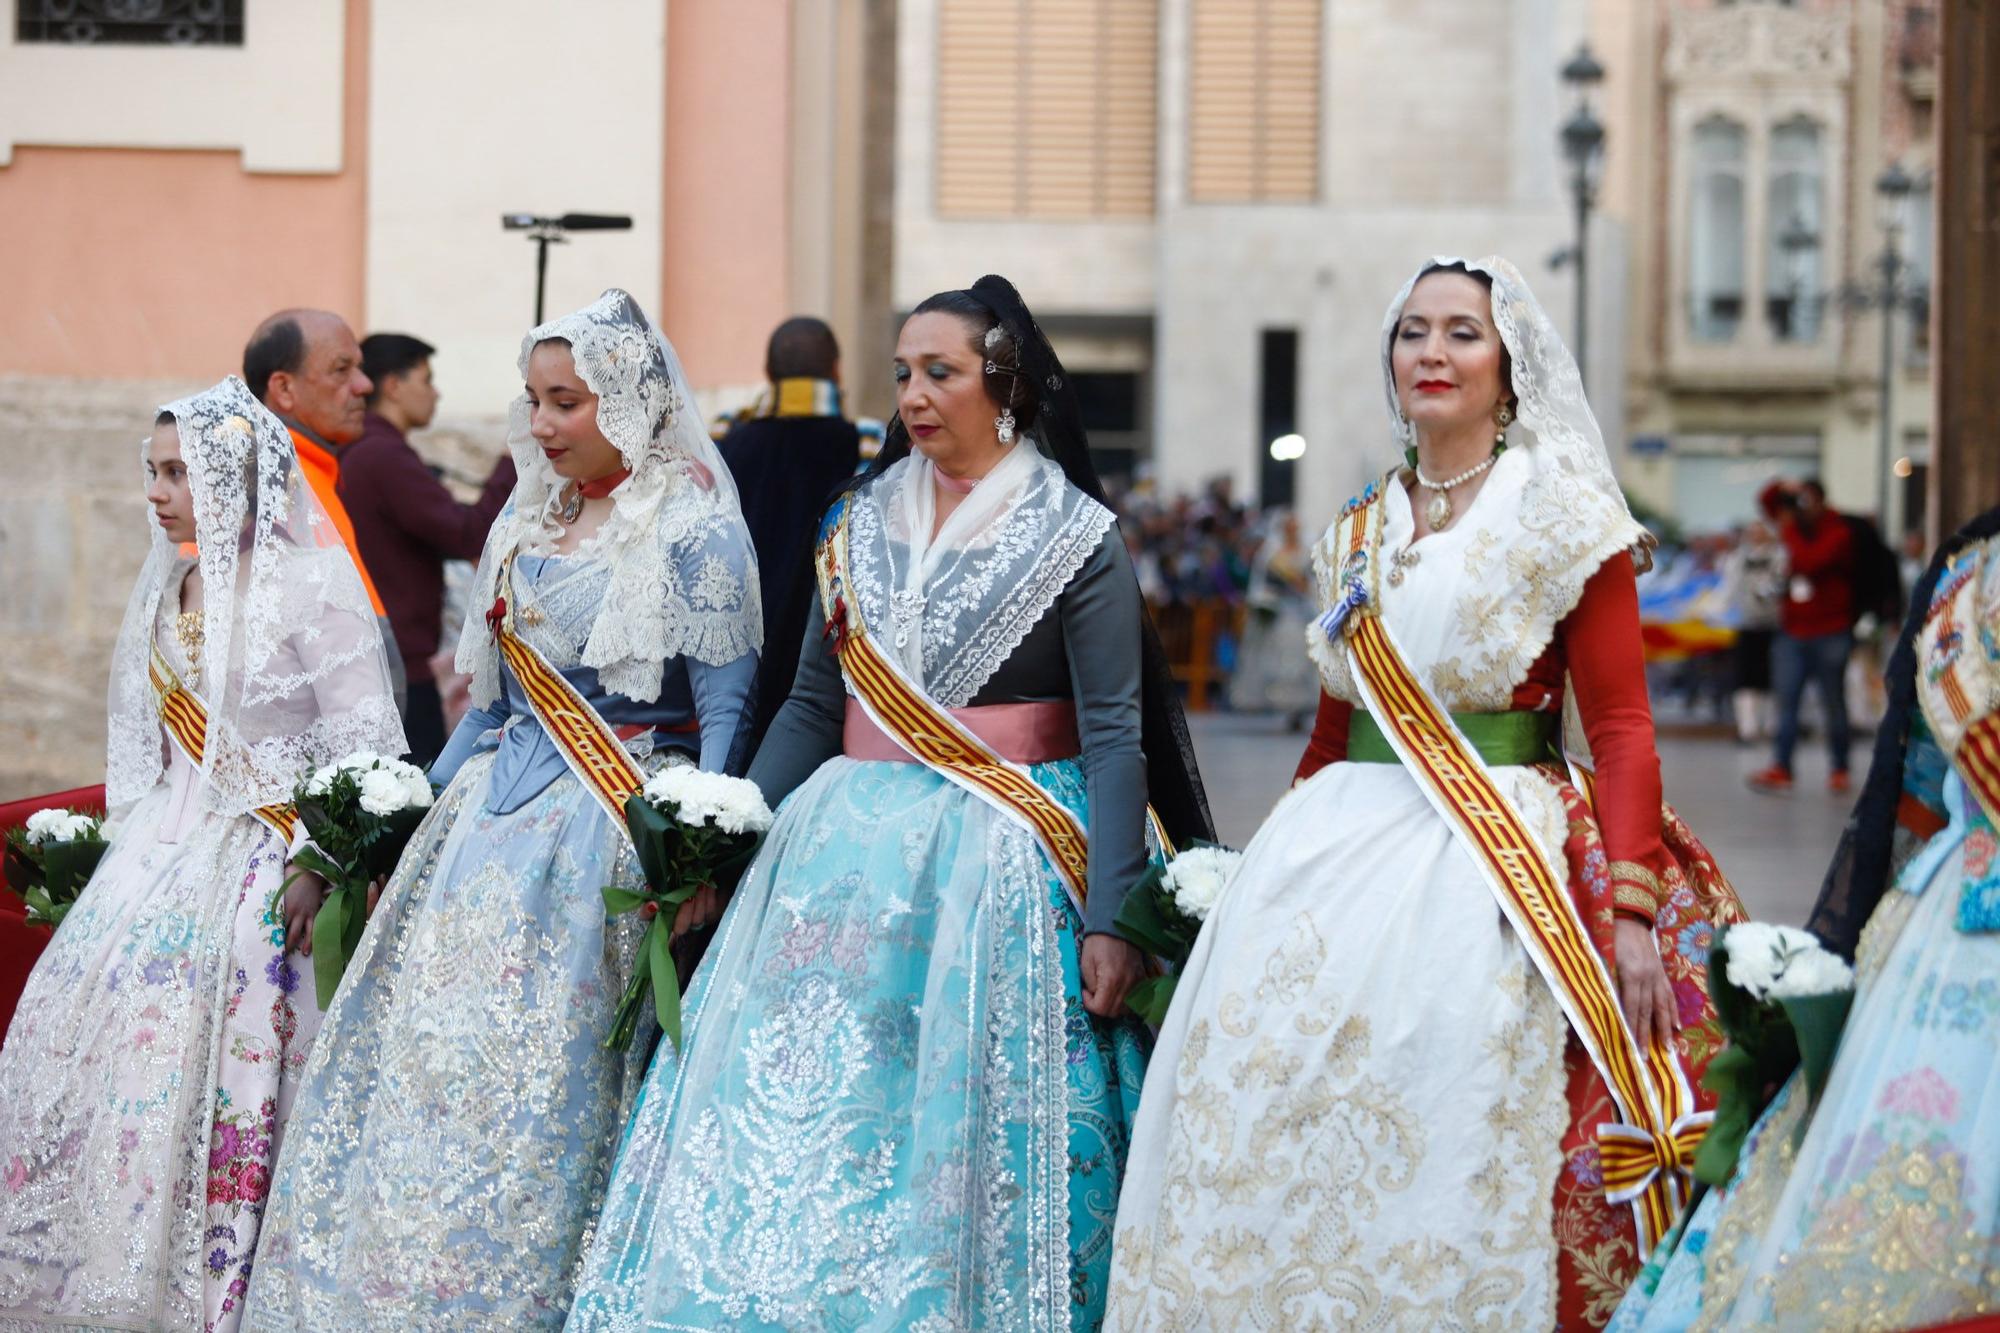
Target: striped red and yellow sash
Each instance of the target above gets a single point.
(1958, 685)
(1646, 1158)
(934, 737)
(581, 735)
(1648, 1155)
(185, 718)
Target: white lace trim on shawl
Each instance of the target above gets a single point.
(671, 593)
(988, 588)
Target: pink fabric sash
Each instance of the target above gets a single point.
(1028, 733)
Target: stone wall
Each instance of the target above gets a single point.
(73, 533)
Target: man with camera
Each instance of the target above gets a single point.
(1815, 625)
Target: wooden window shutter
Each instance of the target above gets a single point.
(1046, 108)
(1253, 101)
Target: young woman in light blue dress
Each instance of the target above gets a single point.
(457, 1125)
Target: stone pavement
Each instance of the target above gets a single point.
(1774, 848)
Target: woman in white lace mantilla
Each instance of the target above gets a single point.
(456, 1130)
(1367, 1106)
(907, 1070)
(148, 1075)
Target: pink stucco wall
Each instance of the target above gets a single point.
(139, 263)
(725, 262)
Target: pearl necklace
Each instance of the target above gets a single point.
(1438, 511)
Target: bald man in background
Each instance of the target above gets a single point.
(305, 365)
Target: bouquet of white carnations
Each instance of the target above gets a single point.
(359, 814)
(51, 858)
(1782, 1000)
(689, 829)
(1163, 915)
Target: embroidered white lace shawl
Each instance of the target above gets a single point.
(291, 667)
(1550, 514)
(955, 607)
(667, 595)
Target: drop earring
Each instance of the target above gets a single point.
(1003, 425)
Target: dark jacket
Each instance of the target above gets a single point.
(786, 469)
(407, 525)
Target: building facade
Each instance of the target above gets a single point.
(1756, 344)
(1210, 203)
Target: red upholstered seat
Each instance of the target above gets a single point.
(20, 943)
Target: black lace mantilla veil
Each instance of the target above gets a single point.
(1173, 783)
(1860, 873)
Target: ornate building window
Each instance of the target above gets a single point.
(129, 22)
(1716, 229)
(1794, 231)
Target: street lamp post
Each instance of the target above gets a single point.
(1583, 148)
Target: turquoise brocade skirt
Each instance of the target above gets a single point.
(890, 1110)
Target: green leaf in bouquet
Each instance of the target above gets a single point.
(1140, 918)
(654, 834)
(666, 983)
(1745, 1074)
(1817, 1022)
(42, 909)
(320, 824)
(1738, 1084)
(1151, 998)
(625, 1019)
(618, 901)
(69, 866)
(329, 931)
(387, 838)
(23, 867)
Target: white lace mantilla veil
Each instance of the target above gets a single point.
(666, 598)
(292, 667)
(1572, 514)
(1573, 484)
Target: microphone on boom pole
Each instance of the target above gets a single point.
(547, 231)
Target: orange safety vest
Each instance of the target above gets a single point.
(322, 469)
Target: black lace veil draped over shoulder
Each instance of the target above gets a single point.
(1173, 783)
(1860, 872)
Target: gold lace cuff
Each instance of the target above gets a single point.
(1636, 889)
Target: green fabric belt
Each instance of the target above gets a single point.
(1500, 738)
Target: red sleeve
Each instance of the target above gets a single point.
(1607, 670)
(1329, 739)
(423, 508)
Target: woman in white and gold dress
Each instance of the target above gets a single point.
(151, 1066)
(1365, 1108)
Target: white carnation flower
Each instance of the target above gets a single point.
(1816, 972)
(109, 830)
(1196, 878)
(321, 781)
(416, 786)
(382, 792)
(46, 826)
(41, 826)
(734, 805)
(1761, 957)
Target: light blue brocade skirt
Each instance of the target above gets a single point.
(891, 1110)
(455, 1129)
